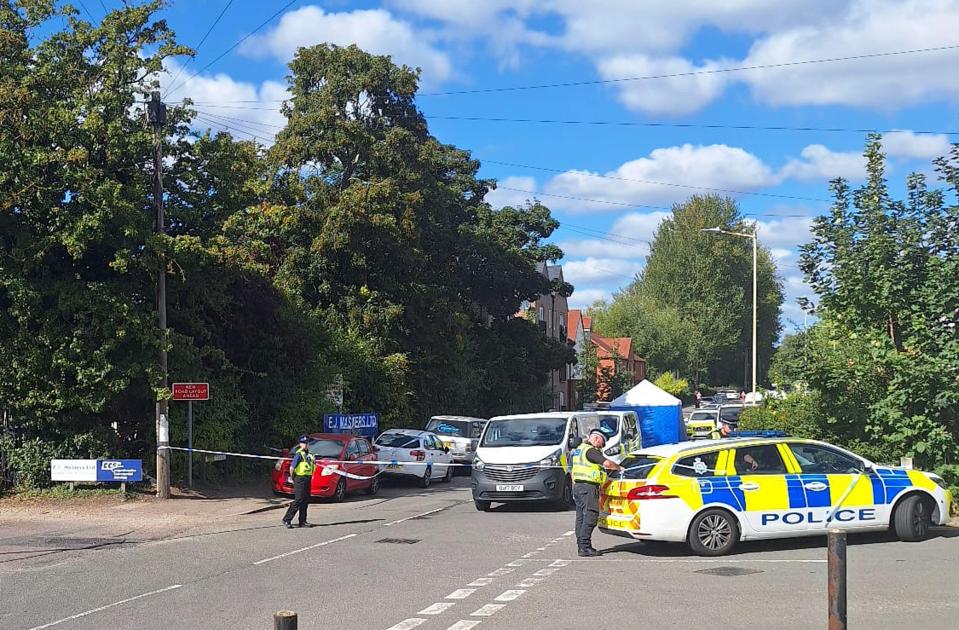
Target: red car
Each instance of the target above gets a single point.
(355, 451)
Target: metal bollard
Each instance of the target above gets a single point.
(837, 579)
(284, 620)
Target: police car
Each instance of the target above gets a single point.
(713, 494)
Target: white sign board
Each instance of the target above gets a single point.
(73, 470)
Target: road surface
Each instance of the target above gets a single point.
(427, 559)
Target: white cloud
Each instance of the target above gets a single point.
(639, 225)
(604, 248)
(259, 116)
(869, 26)
(907, 144)
(582, 298)
(600, 270)
(511, 191)
(675, 95)
(780, 254)
(784, 234)
(821, 162)
(712, 166)
(375, 31)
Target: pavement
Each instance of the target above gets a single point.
(413, 558)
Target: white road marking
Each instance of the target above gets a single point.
(290, 553)
(545, 572)
(488, 610)
(569, 533)
(101, 608)
(437, 608)
(692, 560)
(406, 624)
(500, 572)
(461, 593)
(529, 555)
(481, 582)
(465, 624)
(515, 563)
(409, 518)
(528, 582)
(541, 549)
(508, 596)
(559, 563)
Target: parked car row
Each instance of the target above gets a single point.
(423, 455)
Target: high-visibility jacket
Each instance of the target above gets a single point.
(307, 463)
(585, 470)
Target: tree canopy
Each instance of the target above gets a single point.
(358, 245)
(690, 309)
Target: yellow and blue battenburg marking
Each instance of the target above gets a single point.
(723, 490)
(887, 483)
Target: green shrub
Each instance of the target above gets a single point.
(29, 458)
(678, 387)
(799, 415)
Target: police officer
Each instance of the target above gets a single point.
(726, 427)
(589, 473)
(302, 466)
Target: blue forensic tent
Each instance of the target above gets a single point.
(660, 414)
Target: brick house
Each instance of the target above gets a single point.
(616, 354)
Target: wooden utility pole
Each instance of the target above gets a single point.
(156, 111)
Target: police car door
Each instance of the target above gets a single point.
(835, 490)
(761, 484)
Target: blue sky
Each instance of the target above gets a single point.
(610, 170)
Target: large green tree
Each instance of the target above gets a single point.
(885, 271)
(690, 309)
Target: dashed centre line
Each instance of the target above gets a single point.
(508, 596)
(461, 593)
(481, 582)
(500, 572)
(406, 624)
(437, 608)
(465, 624)
(488, 610)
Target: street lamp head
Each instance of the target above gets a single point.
(712, 229)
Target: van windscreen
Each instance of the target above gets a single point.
(543, 431)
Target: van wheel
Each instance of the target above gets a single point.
(912, 519)
(566, 502)
(483, 506)
(713, 533)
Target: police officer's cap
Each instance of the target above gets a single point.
(304, 439)
(730, 422)
(598, 432)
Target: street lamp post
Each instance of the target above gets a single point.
(752, 236)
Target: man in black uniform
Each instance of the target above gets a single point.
(589, 473)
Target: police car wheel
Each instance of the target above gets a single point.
(912, 519)
(713, 533)
(340, 493)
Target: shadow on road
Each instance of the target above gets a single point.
(665, 549)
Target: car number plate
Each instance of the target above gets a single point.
(511, 488)
(392, 466)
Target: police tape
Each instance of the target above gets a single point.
(332, 466)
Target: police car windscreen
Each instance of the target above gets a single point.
(638, 466)
(543, 431)
(326, 448)
(453, 428)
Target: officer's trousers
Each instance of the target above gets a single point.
(586, 498)
(301, 498)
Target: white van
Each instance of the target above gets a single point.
(622, 433)
(525, 457)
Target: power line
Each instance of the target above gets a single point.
(87, 11)
(240, 120)
(766, 66)
(104, 7)
(625, 123)
(656, 183)
(238, 42)
(604, 201)
(198, 46)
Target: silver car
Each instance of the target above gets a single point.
(460, 433)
